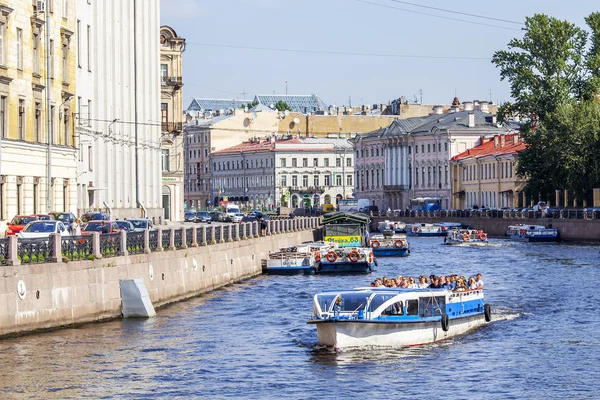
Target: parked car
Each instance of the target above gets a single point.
(125, 226)
(96, 226)
(216, 216)
(238, 217)
(203, 216)
(66, 218)
(189, 216)
(42, 229)
(328, 208)
(253, 217)
(369, 210)
(141, 224)
(18, 222)
(94, 216)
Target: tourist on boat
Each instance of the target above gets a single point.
(412, 284)
(479, 281)
(423, 282)
(446, 283)
(472, 283)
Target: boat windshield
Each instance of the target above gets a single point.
(325, 301)
(354, 301)
(378, 300)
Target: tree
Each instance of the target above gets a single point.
(250, 105)
(555, 84)
(282, 106)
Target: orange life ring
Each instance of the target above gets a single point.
(318, 256)
(370, 258)
(399, 243)
(466, 237)
(354, 256)
(331, 256)
(483, 236)
(375, 244)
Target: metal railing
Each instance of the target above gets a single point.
(110, 244)
(3, 251)
(513, 214)
(77, 247)
(153, 241)
(136, 243)
(35, 251)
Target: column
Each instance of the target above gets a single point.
(172, 241)
(194, 236)
(146, 241)
(159, 246)
(13, 250)
(184, 238)
(406, 177)
(123, 239)
(203, 243)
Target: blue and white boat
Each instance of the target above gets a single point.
(396, 227)
(347, 260)
(532, 233)
(426, 230)
(389, 244)
(384, 317)
(291, 261)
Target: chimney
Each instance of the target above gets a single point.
(467, 106)
(515, 139)
(471, 120)
(483, 106)
(438, 110)
(476, 104)
(502, 137)
(496, 141)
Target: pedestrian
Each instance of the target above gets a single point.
(105, 228)
(76, 227)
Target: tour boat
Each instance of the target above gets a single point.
(374, 317)
(532, 233)
(347, 260)
(447, 226)
(426, 230)
(389, 244)
(466, 237)
(292, 260)
(396, 227)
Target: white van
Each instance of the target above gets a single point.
(232, 209)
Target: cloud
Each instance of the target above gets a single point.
(173, 10)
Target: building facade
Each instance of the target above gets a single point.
(486, 175)
(171, 108)
(37, 86)
(118, 108)
(288, 172)
(417, 153)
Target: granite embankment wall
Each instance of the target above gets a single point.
(66, 293)
(572, 230)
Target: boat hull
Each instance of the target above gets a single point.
(346, 267)
(430, 234)
(345, 334)
(290, 270)
(536, 238)
(391, 252)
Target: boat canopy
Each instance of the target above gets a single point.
(346, 218)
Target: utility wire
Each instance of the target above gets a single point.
(437, 16)
(339, 53)
(458, 12)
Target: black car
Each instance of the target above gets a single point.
(94, 216)
(66, 218)
(189, 216)
(203, 216)
(369, 210)
(216, 216)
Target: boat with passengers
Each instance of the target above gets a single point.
(532, 233)
(392, 317)
(389, 244)
(395, 226)
(466, 237)
(423, 229)
(348, 232)
(301, 259)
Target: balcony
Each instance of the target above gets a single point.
(172, 127)
(175, 81)
(309, 189)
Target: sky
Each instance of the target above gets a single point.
(358, 51)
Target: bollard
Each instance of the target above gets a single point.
(123, 238)
(184, 238)
(13, 251)
(96, 245)
(56, 245)
(203, 243)
(172, 240)
(194, 236)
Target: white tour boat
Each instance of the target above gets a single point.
(466, 237)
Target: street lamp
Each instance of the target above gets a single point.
(110, 126)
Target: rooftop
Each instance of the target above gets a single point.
(274, 143)
(494, 146)
(215, 104)
(298, 103)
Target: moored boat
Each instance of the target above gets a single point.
(292, 260)
(389, 244)
(466, 237)
(349, 260)
(367, 317)
(396, 227)
(426, 230)
(532, 233)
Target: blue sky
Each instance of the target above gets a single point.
(350, 26)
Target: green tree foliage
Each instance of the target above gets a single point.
(282, 106)
(251, 104)
(554, 75)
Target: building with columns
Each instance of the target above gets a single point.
(38, 60)
(118, 108)
(416, 154)
(486, 175)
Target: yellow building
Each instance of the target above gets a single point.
(171, 107)
(486, 175)
(37, 173)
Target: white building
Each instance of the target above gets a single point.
(118, 107)
(283, 171)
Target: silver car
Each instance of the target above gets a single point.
(141, 224)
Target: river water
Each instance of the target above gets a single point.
(251, 340)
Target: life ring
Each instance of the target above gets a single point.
(487, 311)
(318, 256)
(354, 256)
(331, 256)
(445, 322)
(399, 243)
(466, 237)
(483, 236)
(375, 244)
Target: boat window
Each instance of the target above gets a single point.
(412, 307)
(354, 301)
(325, 301)
(431, 306)
(394, 309)
(378, 300)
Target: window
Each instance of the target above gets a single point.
(327, 180)
(282, 162)
(35, 198)
(89, 158)
(164, 72)
(423, 183)
(3, 115)
(294, 162)
(423, 148)
(19, 196)
(439, 146)
(440, 176)
(315, 180)
(348, 162)
(37, 122)
(338, 180)
(65, 62)
(338, 162)
(416, 149)
(446, 175)
(89, 48)
(304, 180)
(349, 179)
(294, 180)
(2, 51)
(429, 175)
(409, 149)
(305, 162)
(66, 126)
(445, 146)
(164, 115)
(429, 147)
(79, 43)
(21, 120)
(65, 9)
(283, 180)
(416, 177)
(36, 54)
(20, 49)
(51, 55)
(412, 307)
(315, 162)
(165, 159)
(326, 161)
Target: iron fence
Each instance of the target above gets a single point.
(34, 251)
(226, 229)
(209, 235)
(234, 232)
(77, 247)
(165, 240)
(178, 238)
(217, 235)
(199, 238)
(153, 240)
(3, 251)
(135, 243)
(110, 244)
(189, 233)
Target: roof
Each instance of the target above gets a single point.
(345, 217)
(298, 103)
(493, 147)
(209, 121)
(291, 144)
(215, 104)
